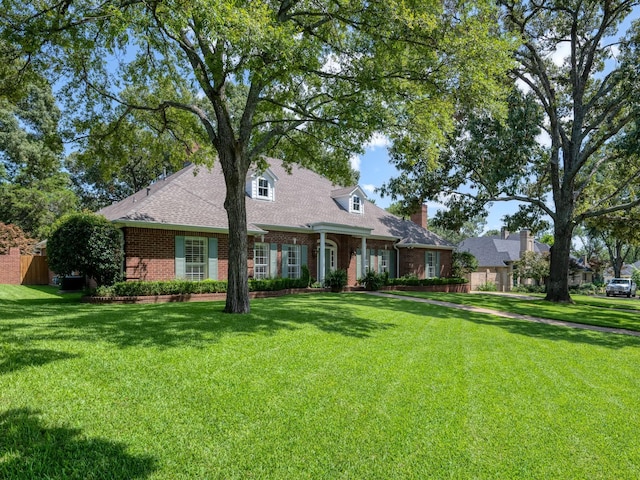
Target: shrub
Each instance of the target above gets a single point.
(186, 287)
(373, 281)
(528, 289)
(414, 281)
(170, 287)
(336, 280)
(488, 287)
(86, 243)
(463, 263)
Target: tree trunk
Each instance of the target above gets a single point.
(558, 282)
(234, 204)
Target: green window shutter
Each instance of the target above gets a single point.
(180, 260)
(303, 256)
(273, 260)
(358, 264)
(392, 263)
(285, 259)
(437, 264)
(213, 258)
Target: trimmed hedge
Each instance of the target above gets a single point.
(184, 287)
(413, 281)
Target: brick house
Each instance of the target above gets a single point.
(177, 228)
(497, 255)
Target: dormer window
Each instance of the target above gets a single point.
(262, 185)
(356, 205)
(263, 188)
(350, 198)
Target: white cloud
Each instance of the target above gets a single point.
(355, 161)
(562, 51)
(377, 141)
(544, 139)
(369, 188)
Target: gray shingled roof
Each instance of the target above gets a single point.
(495, 251)
(194, 198)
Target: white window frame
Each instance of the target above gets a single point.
(385, 260)
(356, 204)
(294, 260)
(194, 269)
(431, 265)
(261, 270)
(266, 187)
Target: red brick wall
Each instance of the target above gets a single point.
(10, 267)
(412, 262)
(150, 253)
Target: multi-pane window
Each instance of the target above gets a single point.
(384, 261)
(356, 204)
(432, 264)
(261, 260)
(263, 188)
(195, 256)
(293, 261)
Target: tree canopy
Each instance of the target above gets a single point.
(577, 85)
(307, 82)
(33, 190)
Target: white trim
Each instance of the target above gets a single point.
(204, 263)
(341, 228)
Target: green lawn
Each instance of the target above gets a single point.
(602, 311)
(322, 386)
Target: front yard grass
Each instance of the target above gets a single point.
(605, 312)
(319, 386)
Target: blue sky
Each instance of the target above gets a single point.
(375, 169)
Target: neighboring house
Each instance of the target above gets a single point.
(177, 228)
(625, 272)
(580, 272)
(496, 256)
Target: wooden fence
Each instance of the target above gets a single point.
(16, 269)
(34, 270)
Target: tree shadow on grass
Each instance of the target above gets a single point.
(195, 323)
(201, 323)
(29, 449)
(12, 359)
(515, 326)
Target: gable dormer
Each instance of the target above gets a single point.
(351, 199)
(262, 185)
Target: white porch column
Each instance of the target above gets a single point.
(322, 258)
(363, 257)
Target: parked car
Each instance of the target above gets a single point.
(621, 286)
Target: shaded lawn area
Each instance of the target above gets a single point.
(604, 312)
(319, 386)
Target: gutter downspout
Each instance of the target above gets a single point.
(123, 264)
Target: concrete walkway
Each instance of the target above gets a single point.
(498, 313)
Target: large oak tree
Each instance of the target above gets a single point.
(582, 83)
(303, 80)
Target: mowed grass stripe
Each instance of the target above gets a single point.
(327, 386)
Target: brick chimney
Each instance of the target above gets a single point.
(504, 233)
(420, 217)
(526, 241)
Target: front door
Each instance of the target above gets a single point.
(330, 256)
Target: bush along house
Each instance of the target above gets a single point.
(177, 228)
